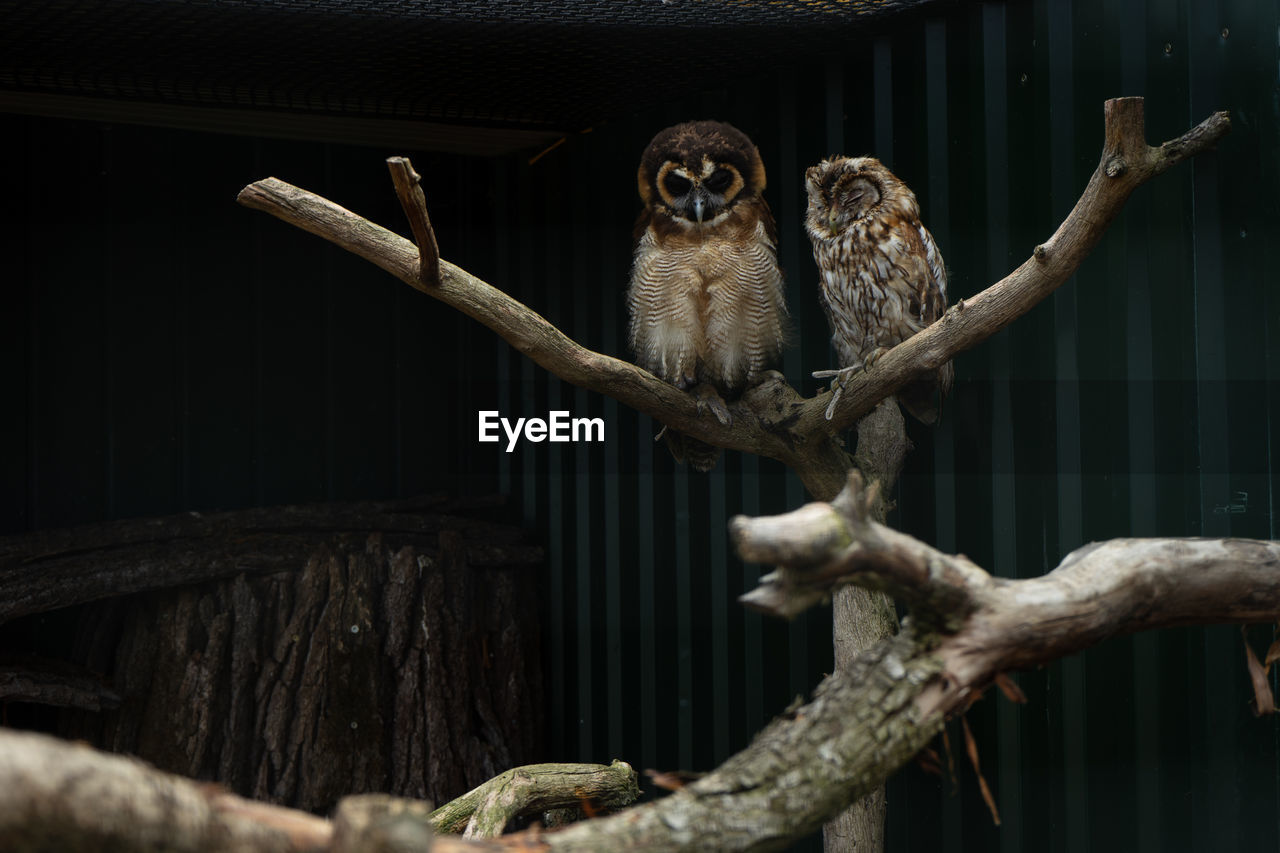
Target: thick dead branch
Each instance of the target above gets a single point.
(851, 547)
(485, 811)
(862, 617)
(861, 724)
(60, 796)
(56, 795)
(773, 423)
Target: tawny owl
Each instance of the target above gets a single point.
(882, 278)
(708, 313)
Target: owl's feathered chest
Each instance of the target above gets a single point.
(706, 304)
(874, 282)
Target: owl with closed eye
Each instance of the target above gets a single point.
(881, 276)
(706, 303)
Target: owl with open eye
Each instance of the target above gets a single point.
(881, 276)
(707, 308)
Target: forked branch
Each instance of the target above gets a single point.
(859, 726)
(773, 420)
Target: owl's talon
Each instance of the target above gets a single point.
(709, 400)
(835, 398)
(838, 379)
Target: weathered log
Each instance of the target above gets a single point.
(51, 569)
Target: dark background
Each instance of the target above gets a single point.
(163, 349)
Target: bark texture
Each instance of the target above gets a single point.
(862, 617)
(485, 811)
(55, 568)
(378, 661)
(860, 724)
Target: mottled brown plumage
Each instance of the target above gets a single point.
(706, 300)
(881, 276)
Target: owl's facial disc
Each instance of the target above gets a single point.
(852, 197)
(699, 196)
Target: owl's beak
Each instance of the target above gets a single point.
(832, 216)
(698, 204)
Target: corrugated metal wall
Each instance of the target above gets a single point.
(171, 351)
(1138, 400)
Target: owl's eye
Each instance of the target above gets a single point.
(676, 185)
(719, 181)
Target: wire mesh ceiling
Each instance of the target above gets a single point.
(531, 64)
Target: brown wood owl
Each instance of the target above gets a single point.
(881, 276)
(708, 313)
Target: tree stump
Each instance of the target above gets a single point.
(388, 661)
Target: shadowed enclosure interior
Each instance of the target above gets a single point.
(166, 350)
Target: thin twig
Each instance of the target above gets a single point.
(409, 188)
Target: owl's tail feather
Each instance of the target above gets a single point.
(924, 399)
(700, 455)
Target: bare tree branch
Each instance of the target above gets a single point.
(1127, 162)
(859, 726)
(865, 720)
(485, 811)
(524, 329)
(773, 421)
(60, 796)
(863, 723)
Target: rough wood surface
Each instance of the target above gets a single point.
(376, 667)
(485, 811)
(56, 684)
(862, 617)
(860, 724)
(409, 188)
(375, 656)
(59, 796)
(60, 567)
